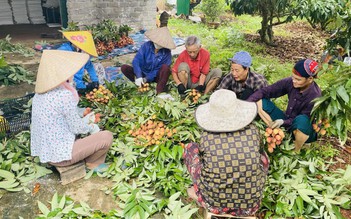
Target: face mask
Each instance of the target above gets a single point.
(70, 82)
(157, 46)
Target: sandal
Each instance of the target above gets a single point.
(100, 169)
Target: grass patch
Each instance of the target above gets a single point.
(223, 42)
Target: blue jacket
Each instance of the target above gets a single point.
(78, 77)
(146, 63)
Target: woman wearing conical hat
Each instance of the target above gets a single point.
(82, 41)
(55, 119)
(152, 61)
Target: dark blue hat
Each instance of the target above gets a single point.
(306, 68)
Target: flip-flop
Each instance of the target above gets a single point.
(101, 168)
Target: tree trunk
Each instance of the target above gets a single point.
(266, 32)
(264, 22)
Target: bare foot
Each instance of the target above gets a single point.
(191, 193)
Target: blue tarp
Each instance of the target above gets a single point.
(138, 38)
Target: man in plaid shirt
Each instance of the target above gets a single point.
(240, 79)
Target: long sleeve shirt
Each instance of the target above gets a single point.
(253, 81)
(55, 123)
(147, 63)
(198, 66)
(298, 102)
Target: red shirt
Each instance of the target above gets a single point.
(198, 66)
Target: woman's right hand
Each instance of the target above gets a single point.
(94, 129)
(89, 119)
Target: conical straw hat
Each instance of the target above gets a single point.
(162, 37)
(83, 40)
(56, 66)
(225, 113)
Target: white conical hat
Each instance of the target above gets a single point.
(162, 37)
(56, 66)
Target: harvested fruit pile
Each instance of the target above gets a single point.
(102, 46)
(152, 132)
(193, 95)
(101, 95)
(124, 41)
(274, 137)
(144, 87)
(321, 126)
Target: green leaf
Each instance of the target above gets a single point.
(54, 202)
(8, 184)
(62, 202)
(343, 93)
(81, 211)
(299, 203)
(6, 174)
(43, 208)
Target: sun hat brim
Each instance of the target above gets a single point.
(162, 37)
(57, 66)
(242, 115)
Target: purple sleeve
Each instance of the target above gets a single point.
(275, 90)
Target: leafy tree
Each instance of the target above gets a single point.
(212, 9)
(342, 25)
(273, 12)
(319, 13)
(276, 12)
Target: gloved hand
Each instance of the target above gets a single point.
(92, 85)
(81, 91)
(276, 123)
(181, 89)
(139, 81)
(94, 129)
(81, 111)
(89, 119)
(200, 88)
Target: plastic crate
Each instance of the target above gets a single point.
(16, 117)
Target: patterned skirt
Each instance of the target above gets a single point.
(192, 161)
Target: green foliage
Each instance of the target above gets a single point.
(302, 186)
(105, 31)
(319, 13)
(272, 12)
(71, 26)
(342, 25)
(335, 103)
(3, 63)
(212, 9)
(14, 74)
(17, 167)
(176, 208)
(124, 29)
(62, 207)
(7, 47)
